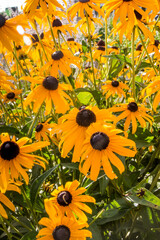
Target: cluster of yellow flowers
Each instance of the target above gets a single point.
(47, 72)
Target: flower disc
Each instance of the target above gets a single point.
(57, 55)
(10, 95)
(61, 232)
(85, 117)
(64, 198)
(2, 20)
(56, 23)
(39, 127)
(9, 150)
(50, 83)
(99, 141)
(132, 106)
(84, 1)
(115, 83)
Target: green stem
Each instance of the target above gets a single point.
(5, 229)
(106, 48)
(90, 48)
(133, 70)
(55, 43)
(66, 43)
(7, 63)
(11, 226)
(21, 223)
(143, 44)
(29, 206)
(154, 181)
(33, 123)
(15, 56)
(98, 215)
(3, 106)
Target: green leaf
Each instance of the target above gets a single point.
(85, 97)
(121, 58)
(147, 199)
(11, 131)
(96, 232)
(103, 183)
(29, 236)
(71, 165)
(38, 182)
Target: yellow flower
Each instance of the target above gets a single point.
(132, 111)
(8, 31)
(69, 201)
(58, 228)
(61, 61)
(15, 159)
(12, 95)
(114, 87)
(48, 90)
(84, 5)
(74, 126)
(11, 186)
(42, 129)
(4, 80)
(99, 150)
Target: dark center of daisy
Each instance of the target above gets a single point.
(132, 106)
(56, 23)
(2, 20)
(84, 1)
(70, 39)
(114, 47)
(156, 43)
(85, 117)
(127, 0)
(101, 48)
(101, 43)
(42, 35)
(99, 141)
(39, 127)
(138, 15)
(18, 47)
(50, 83)
(64, 198)
(115, 83)
(57, 55)
(139, 47)
(34, 38)
(9, 150)
(10, 95)
(61, 233)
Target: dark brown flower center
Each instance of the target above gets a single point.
(132, 106)
(139, 47)
(10, 95)
(138, 15)
(70, 39)
(61, 233)
(101, 43)
(9, 150)
(57, 55)
(84, 1)
(2, 20)
(56, 23)
(18, 47)
(34, 38)
(85, 117)
(114, 47)
(64, 198)
(39, 127)
(99, 141)
(127, 0)
(101, 48)
(115, 83)
(156, 43)
(50, 83)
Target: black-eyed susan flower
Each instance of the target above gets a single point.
(11, 186)
(154, 47)
(100, 52)
(48, 90)
(12, 95)
(125, 8)
(42, 130)
(84, 6)
(5, 82)
(8, 31)
(61, 61)
(31, 6)
(113, 88)
(99, 150)
(69, 201)
(66, 228)
(132, 112)
(74, 125)
(15, 159)
(72, 44)
(152, 88)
